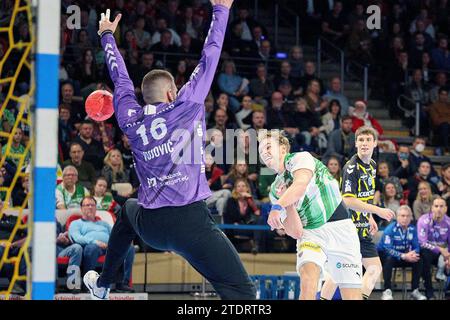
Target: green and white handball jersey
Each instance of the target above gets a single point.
(322, 195)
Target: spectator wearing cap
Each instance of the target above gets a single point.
(361, 117)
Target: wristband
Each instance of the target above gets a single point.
(104, 32)
(277, 207)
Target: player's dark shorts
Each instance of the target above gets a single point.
(368, 248)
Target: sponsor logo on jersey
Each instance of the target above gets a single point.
(149, 109)
(131, 112)
(365, 194)
(133, 124)
(309, 246)
(350, 171)
(387, 240)
(341, 265)
(348, 186)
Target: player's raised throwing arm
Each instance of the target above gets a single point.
(201, 79)
(126, 107)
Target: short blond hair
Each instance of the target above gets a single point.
(365, 130)
(277, 135)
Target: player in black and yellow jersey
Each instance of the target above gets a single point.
(358, 190)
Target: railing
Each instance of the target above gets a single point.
(325, 46)
(415, 112)
(289, 16)
(360, 72)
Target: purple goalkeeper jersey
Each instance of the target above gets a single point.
(433, 234)
(168, 139)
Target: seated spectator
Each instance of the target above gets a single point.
(190, 47)
(383, 176)
(20, 191)
(16, 149)
(235, 46)
(296, 61)
(161, 27)
(87, 73)
(334, 167)
(427, 68)
(441, 56)
(285, 88)
(222, 120)
(341, 142)
(69, 193)
(117, 176)
(440, 81)
(423, 23)
(7, 120)
(335, 26)
(165, 46)
(66, 130)
(240, 170)
(332, 119)
(310, 74)
(181, 75)
(416, 155)
(278, 112)
(445, 188)
(262, 86)
(219, 196)
(171, 12)
(257, 37)
(104, 132)
(399, 247)
(189, 25)
(138, 72)
(266, 55)
(86, 171)
(313, 98)
(93, 149)
(103, 197)
(358, 36)
(232, 84)
(8, 224)
(423, 173)
(246, 110)
(398, 73)
(78, 112)
(258, 121)
(402, 166)
(241, 209)
(66, 248)
(334, 93)
(434, 237)
(389, 199)
(247, 22)
(125, 149)
(417, 90)
(424, 200)
(310, 131)
(417, 49)
(285, 73)
(93, 234)
(361, 117)
(440, 118)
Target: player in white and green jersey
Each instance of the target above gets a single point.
(307, 203)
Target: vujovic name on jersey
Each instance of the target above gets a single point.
(322, 195)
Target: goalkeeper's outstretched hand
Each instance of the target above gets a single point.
(105, 25)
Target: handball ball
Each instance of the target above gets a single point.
(99, 105)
